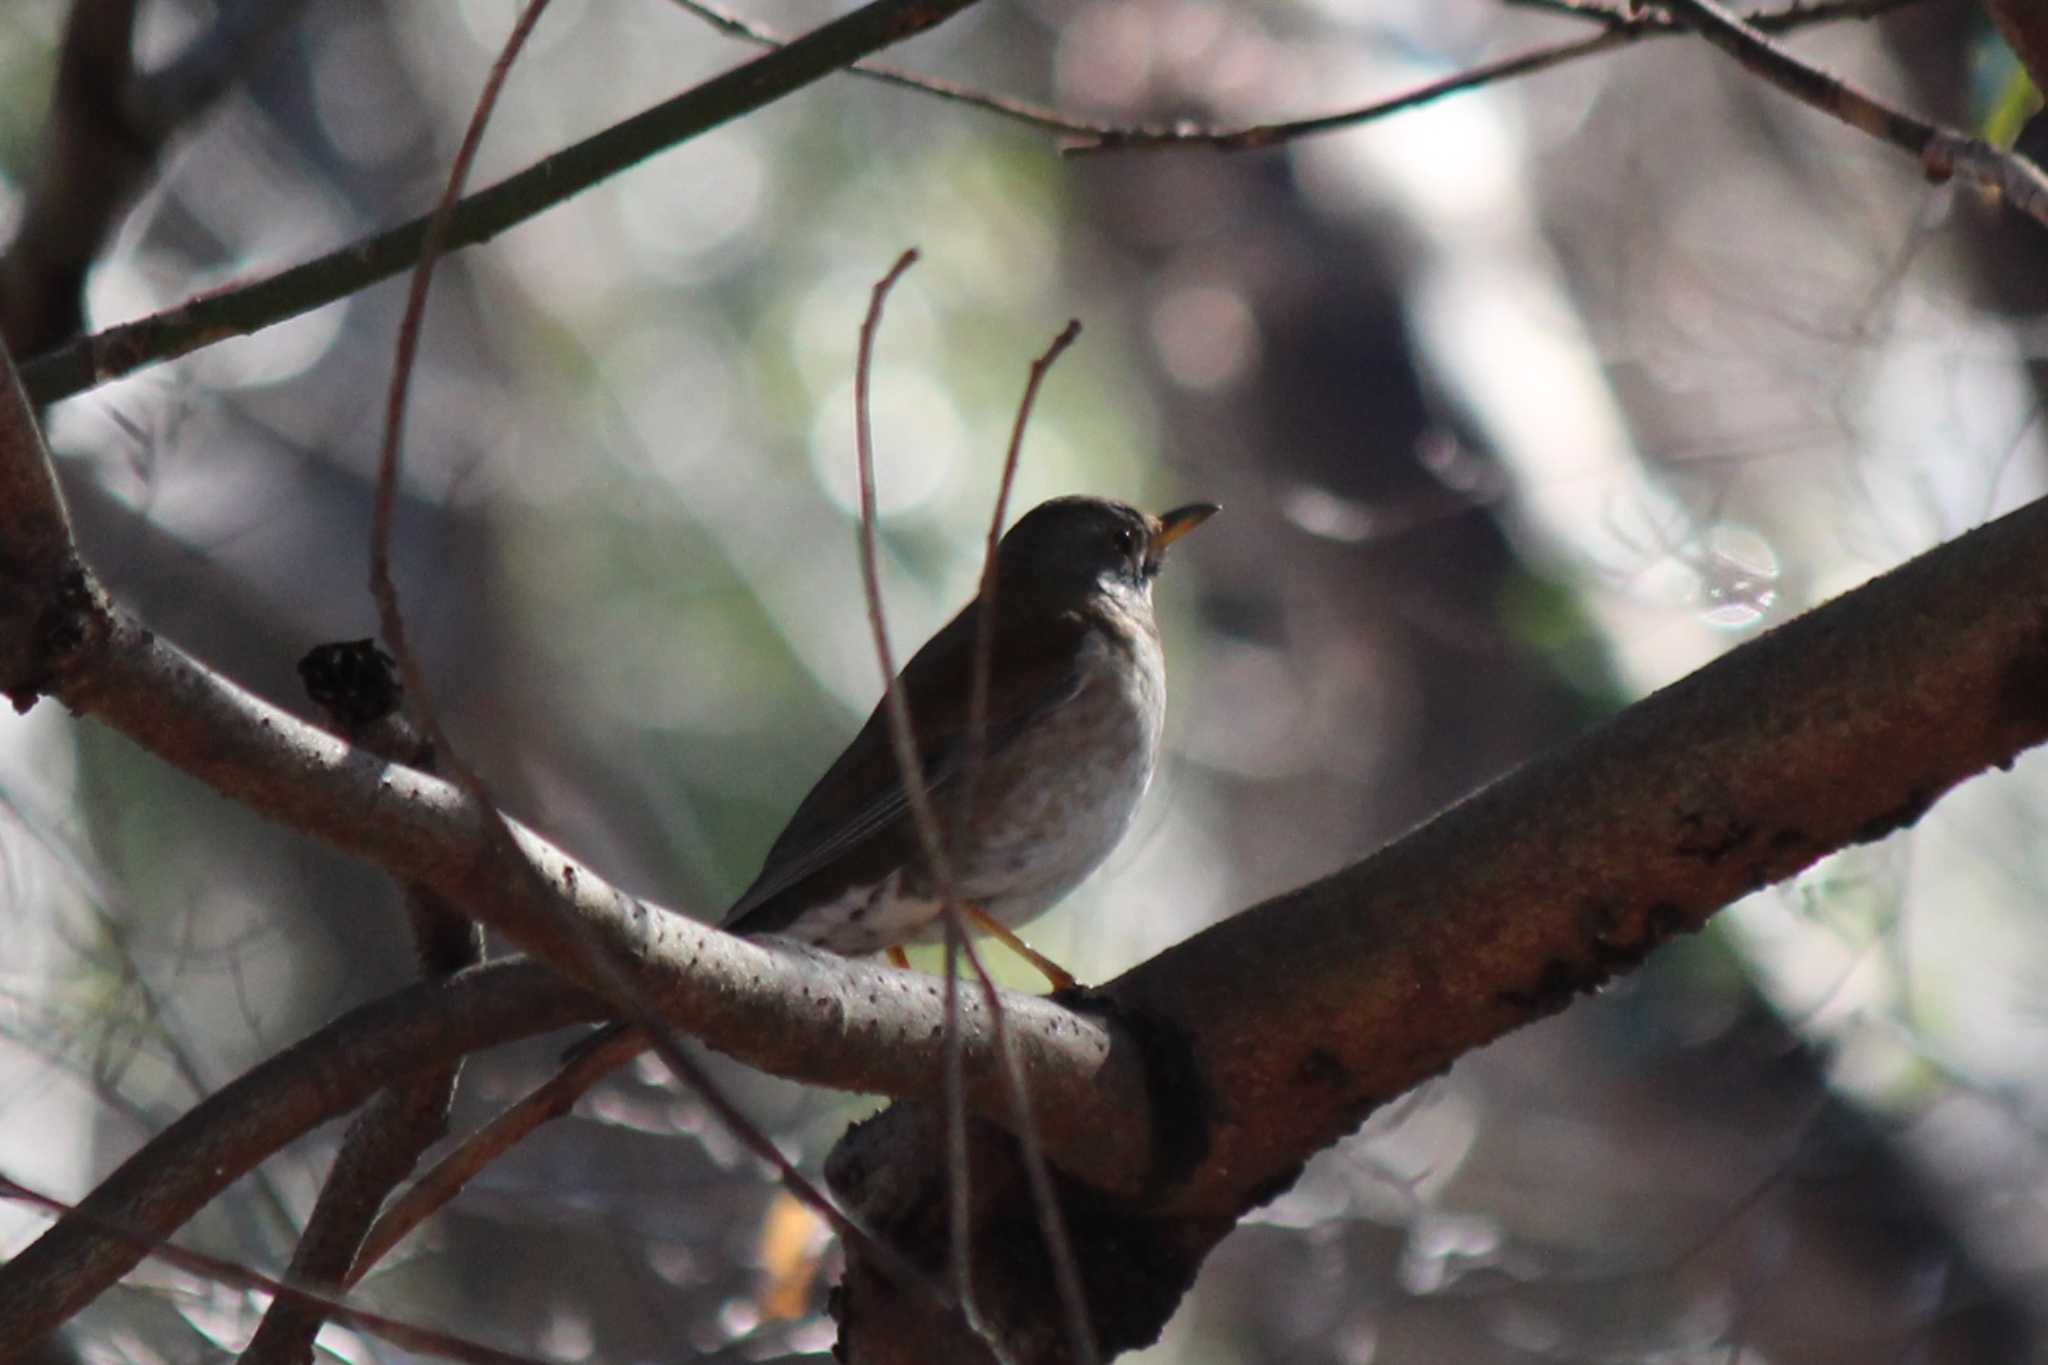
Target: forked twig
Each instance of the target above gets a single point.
(390, 620)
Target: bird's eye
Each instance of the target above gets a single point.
(1126, 540)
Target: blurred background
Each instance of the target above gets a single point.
(1521, 405)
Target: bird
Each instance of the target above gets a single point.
(1076, 702)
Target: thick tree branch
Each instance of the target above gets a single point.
(1296, 1018)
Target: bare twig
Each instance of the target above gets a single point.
(1017, 111)
(956, 938)
(1045, 1200)
(390, 619)
(985, 634)
(1617, 32)
(903, 739)
(237, 312)
(1942, 152)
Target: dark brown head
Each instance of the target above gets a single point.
(1078, 544)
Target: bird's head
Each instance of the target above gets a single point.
(1080, 543)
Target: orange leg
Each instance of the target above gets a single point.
(1060, 977)
(899, 958)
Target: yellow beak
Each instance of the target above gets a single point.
(1181, 520)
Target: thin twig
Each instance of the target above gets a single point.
(902, 738)
(390, 619)
(215, 317)
(903, 741)
(1647, 23)
(409, 1336)
(1059, 1246)
(1025, 112)
(956, 929)
(1943, 152)
(917, 796)
(985, 624)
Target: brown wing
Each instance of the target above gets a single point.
(854, 827)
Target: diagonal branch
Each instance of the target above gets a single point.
(199, 322)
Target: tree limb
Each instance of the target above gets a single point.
(1294, 1019)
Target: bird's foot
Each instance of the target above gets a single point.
(1061, 979)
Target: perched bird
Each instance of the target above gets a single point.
(1077, 694)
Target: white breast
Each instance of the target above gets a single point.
(1065, 804)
